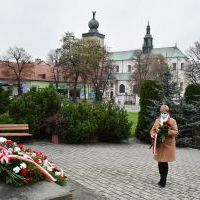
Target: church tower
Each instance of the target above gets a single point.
(93, 33)
(148, 41)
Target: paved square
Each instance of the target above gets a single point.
(126, 171)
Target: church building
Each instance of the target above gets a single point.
(124, 61)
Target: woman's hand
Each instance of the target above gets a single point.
(157, 130)
(153, 134)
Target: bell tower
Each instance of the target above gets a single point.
(93, 32)
(148, 41)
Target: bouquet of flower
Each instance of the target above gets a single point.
(20, 166)
(163, 132)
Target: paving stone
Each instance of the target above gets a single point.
(115, 171)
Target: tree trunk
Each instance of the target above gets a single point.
(74, 90)
(19, 87)
(98, 95)
(84, 86)
(56, 85)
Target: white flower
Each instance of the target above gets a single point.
(16, 169)
(45, 162)
(49, 168)
(34, 155)
(2, 139)
(23, 165)
(17, 149)
(57, 173)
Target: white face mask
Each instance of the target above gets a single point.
(164, 116)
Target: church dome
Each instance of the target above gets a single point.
(93, 23)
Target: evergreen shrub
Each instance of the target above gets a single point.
(5, 119)
(151, 90)
(4, 100)
(35, 108)
(192, 93)
(113, 124)
(102, 121)
(82, 124)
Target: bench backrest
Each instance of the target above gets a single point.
(14, 127)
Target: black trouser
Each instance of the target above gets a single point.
(163, 170)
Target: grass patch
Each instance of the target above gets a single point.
(133, 117)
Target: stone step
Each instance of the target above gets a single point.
(39, 191)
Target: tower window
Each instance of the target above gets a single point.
(174, 66)
(111, 85)
(121, 88)
(129, 68)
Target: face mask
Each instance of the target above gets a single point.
(164, 115)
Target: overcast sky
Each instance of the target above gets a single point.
(38, 25)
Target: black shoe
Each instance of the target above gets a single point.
(162, 183)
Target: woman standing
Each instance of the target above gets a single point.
(165, 151)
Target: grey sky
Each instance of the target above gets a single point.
(38, 25)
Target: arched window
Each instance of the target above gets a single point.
(121, 88)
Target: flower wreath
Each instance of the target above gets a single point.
(20, 166)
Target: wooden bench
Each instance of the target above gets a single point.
(21, 130)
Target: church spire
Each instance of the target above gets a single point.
(148, 41)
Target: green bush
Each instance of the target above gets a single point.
(192, 93)
(151, 90)
(35, 108)
(4, 100)
(82, 124)
(5, 119)
(102, 121)
(183, 141)
(113, 124)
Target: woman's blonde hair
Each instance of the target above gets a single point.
(164, 108)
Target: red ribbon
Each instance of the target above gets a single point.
(153, 143)
(7, 154)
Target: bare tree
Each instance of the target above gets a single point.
(100, 68)
(193, 68)
(18, 66)
(147, 67)
(54, 59)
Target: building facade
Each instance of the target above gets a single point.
(125, 61)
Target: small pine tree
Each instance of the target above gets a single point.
(192, 108)
(171, 90)
(150, 92)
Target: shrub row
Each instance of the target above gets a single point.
(104, 122)
(47, 114)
